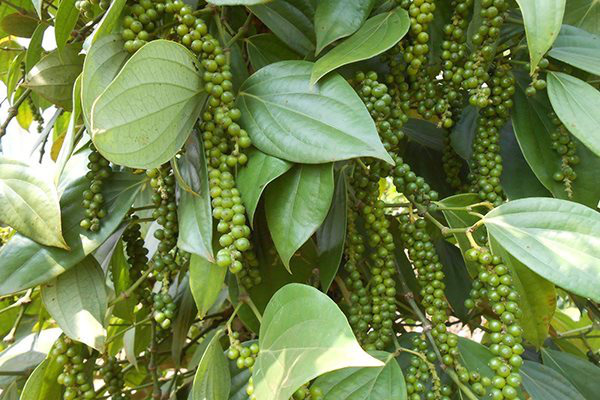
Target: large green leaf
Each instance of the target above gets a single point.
(261, 170)
(475, 357)
(579, 48)
(533, 129)
(543, 19)
(194, 212)
(335, 19)
(266, 48)
(30, 203)
(332, 234)
(237, 2)
(41, 384)
(206, 281)
(377, 35)
(121, 279)
(303, 335)
(544, 383)
(575, 102)
(556, 239)
(378, 383)
(584, 14)
(537, 297)
(103, 62)
(147, 113)
(54, 76)
(212, 379)
(296, 205)
(289, 119)
(25, 263)
(581, 373)
(109, 22)
(291, 21)
(66, 19)
(186, 315)
(77, 301)
(456, 277)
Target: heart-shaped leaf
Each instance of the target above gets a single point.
(377, 35)
(303, 334)
(296, 205)
(30, 203)
(77, 301)
(253, 179)
(579, 48)
(575, 102)
(556, 239)
(147, 113)
(543, 19)
(373, 383)
(289, 119)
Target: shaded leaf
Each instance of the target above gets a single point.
(34, 50)
(335, 19)
(146, 114)
(377, 35)
(21, 25)
(212, 379)
(254, 177)
(206, 281)
(579, 48)
(41, 384)
(296, 205)
(584, 14)
(581, 373)
(544, 383)
(65, 21)
(266, 48)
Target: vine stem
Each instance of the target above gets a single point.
(129, 327)
(152, 367)
(13, 111)
(241, 32)
(253, 307)
(26, 299)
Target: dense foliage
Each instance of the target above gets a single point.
(301, 199)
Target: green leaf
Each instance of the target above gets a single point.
(584, 14)
(556, 239)
(121, 282)
(289, 119)
(253, 178)
(102, 63)
(66, 19)
(195, 212)
(30, 203)
(186, 314)
(475, 357)
(335, 19)
(425, 133)
(291, 21)
(110, 22)
(54, 76)
(533, 129)
(581, 373)
(20, 25)
(13, 76)
(146, 114)
(375, 383)
(77, 302)
(456, 277)
(37, 4)
(542, 19)
(266, 48)
(25, 263)
(537, 297)
(212, 379)
(24, 112)
(41, 384)
(579, 48)
(377, 35)
(332, 234)
(34, 50)
(296, 205)
(66, 148)
(303, 335)
(574, 101)
(544, 383)
(206, 281)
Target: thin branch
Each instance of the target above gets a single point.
(13, 111)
